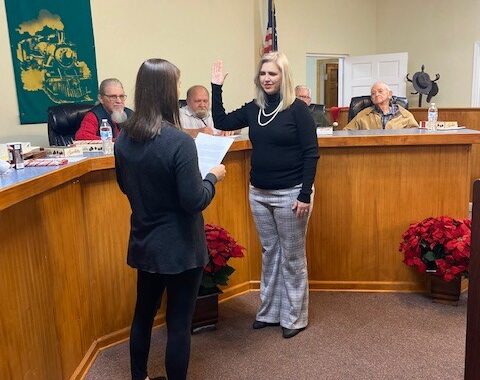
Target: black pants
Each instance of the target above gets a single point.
(182, 290)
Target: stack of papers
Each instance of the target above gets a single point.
(211, 150)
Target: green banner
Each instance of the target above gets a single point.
(53, 54)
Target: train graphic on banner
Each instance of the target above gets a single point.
(48, 62)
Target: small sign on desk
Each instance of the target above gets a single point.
(64, 151)
(324, 131)
(89, 145)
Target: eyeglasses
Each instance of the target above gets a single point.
(114, 97)
(303, 97)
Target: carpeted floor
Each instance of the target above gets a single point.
(350, 336)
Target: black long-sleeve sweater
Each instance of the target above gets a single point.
(285, 151)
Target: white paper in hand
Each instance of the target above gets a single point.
(211, 151)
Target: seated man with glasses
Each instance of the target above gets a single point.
(111, 106)
(303, 92)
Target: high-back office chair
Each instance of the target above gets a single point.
(182, 102)
(64, 121)
(358, 103)
(318, 113)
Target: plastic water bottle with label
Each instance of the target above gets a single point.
(432, 117)
(106, 136)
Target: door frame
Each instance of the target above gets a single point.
(476, 75)
(341, 58)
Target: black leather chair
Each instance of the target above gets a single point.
(64, 121)
(182, 102)
(358, 103)
(318, 113)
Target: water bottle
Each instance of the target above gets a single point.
(106, 136)
(432, 117)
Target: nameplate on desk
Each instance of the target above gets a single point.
(64, 151)
(324, 131)
(89, 145)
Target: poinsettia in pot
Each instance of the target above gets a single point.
(440, 246)
(221, 247)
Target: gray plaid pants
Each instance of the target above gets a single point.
(284, 281)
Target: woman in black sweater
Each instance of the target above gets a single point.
(157, 168)
(283, 166)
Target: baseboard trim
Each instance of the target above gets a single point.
(105, 342)
(366, 286)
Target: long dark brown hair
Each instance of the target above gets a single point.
(156, 99)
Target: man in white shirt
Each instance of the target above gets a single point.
(196, 114)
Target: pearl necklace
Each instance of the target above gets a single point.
(266, 115)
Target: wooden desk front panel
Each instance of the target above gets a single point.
(366, 198)
(469, 117)
(106, 216)
(46, 326)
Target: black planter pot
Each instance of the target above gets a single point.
(445, 292)
(205, 316)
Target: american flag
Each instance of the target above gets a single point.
(270, 43)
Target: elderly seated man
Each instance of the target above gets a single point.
(303, 92)
(196, 116)
(383, 114)
(111, 106)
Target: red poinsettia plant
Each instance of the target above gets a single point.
(221, 247)
(438, 245)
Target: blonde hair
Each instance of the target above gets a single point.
(287, 91)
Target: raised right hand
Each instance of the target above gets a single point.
(218, 77)
(219, 171)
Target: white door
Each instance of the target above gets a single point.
(362, 71)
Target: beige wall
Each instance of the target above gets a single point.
(326, 26)
(194, 33)
(191, 34)
(437, 33)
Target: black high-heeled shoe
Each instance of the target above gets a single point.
(290, 333)
(260, 324)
